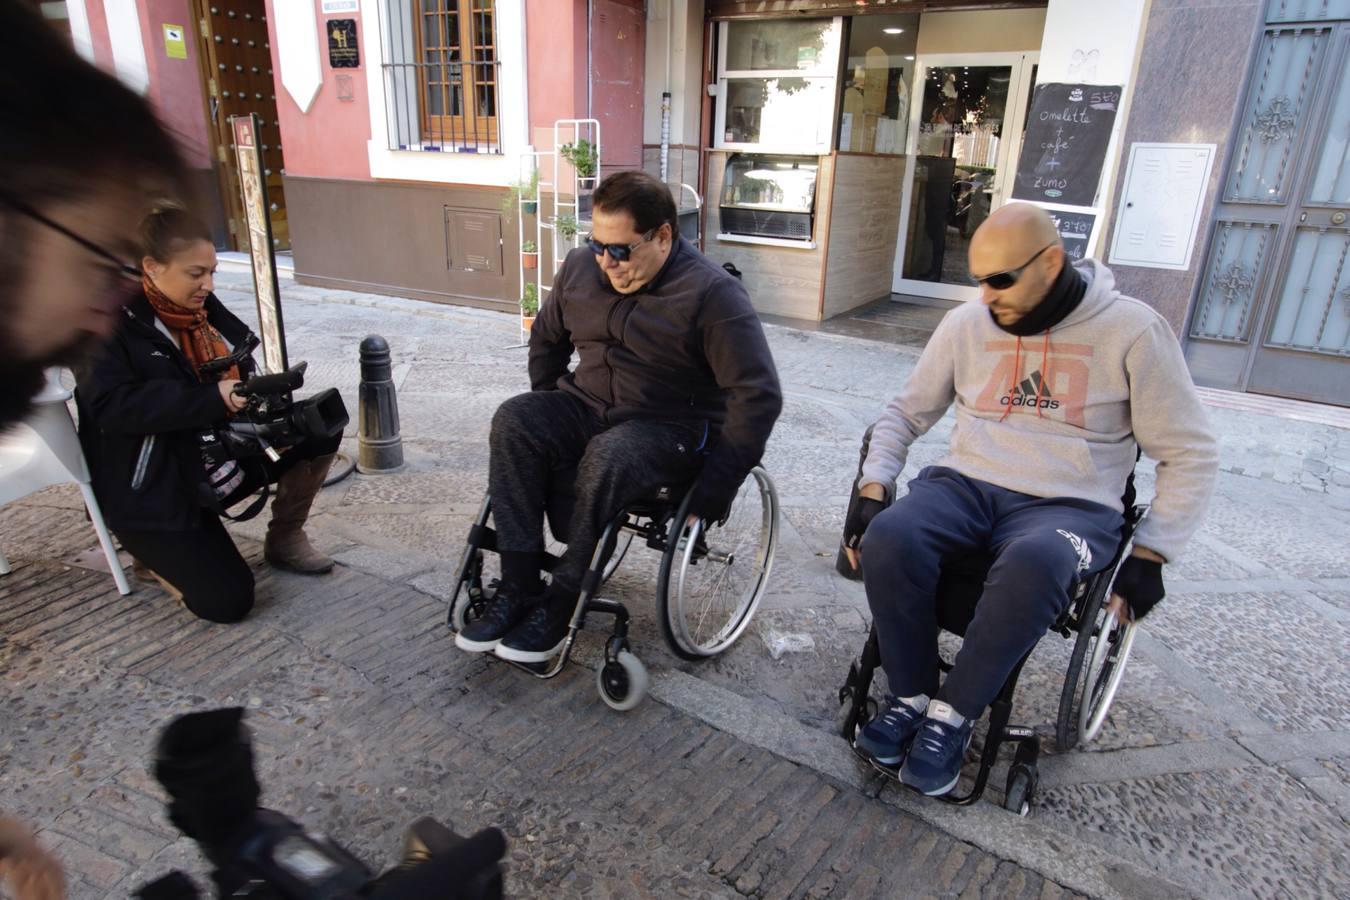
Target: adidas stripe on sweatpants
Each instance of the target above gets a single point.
(1041, 547)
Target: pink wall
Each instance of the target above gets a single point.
(555, 42)
(330, 140)
(176, 84)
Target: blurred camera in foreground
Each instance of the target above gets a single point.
(205, 763)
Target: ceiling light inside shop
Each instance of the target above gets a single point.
(893, 30)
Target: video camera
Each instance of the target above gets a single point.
(205, 762)
(271, 418)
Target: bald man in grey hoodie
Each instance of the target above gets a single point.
(1057, 378)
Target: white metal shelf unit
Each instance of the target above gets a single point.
(531, 167)
(577, 130)
(536, 163)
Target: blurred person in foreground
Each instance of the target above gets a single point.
(27, 871)
(80, 155)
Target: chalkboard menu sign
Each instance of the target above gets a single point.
(1075, 230)
(1067, 132)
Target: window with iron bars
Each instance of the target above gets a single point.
(441, 75)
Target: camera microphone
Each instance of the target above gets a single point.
(280, 383)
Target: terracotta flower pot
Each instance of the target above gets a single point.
(529, 260)
(526, 322)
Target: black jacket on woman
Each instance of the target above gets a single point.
(141, 410)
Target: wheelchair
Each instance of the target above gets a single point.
(1096, 665)
(711, 580)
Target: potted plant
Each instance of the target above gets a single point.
(524, 194)
(582, 155)
(567, 227)
(529, 255)
(529, 304)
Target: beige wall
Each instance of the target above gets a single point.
(863, 225)
(781, 281)
(981, 31)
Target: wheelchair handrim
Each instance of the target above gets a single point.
(1108, 659)
(743, 610)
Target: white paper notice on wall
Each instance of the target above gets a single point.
(1159, 212)
(340, 6)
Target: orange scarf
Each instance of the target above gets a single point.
(198, 338)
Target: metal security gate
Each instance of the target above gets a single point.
(1273, 312)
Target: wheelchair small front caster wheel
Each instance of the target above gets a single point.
(1020, 790)
(622, 681)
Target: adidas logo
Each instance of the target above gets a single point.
(1025, 393)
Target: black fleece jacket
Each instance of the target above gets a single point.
(141, 407)
(687, 347)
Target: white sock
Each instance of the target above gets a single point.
(918, 703)
(943, 712)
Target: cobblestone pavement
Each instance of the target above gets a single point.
(1224, 769)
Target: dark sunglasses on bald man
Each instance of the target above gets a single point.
(1001, 281)
(618, 252)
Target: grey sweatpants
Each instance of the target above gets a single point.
(1040, 546)
(548, 447)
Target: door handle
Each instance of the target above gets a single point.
(215, 109)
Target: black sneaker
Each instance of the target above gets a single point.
(503, 613)
(540, 637)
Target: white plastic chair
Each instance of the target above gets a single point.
(45, 450)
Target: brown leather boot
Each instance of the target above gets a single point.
(287, 546)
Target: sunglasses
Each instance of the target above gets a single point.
(1001, 281)
(618, 252)
(116, 266)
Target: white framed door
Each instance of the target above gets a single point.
(965, 135)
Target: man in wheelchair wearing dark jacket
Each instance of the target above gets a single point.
(674, 383)
(1056, 385)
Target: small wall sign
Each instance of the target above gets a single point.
(175, 46)
(342, 49)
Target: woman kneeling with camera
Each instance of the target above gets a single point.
(144, 407)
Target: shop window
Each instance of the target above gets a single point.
(878, 81)
(769, 196)
(441, 75)
(777, 83)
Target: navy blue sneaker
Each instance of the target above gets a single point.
(934, 762)
(540, 636)
(887, 737)
(503, 612)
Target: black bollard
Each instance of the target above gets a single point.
(381, 447)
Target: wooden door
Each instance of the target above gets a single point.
(237, 55)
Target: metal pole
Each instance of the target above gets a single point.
(380, 445)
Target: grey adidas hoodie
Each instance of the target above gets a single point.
(1057, 414)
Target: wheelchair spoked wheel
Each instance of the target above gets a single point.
(1106, 667)
(1102, 648)
(713, 579)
